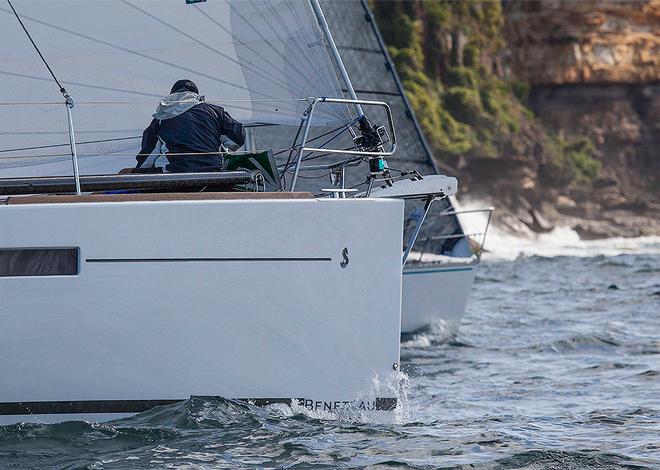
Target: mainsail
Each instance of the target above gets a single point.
(259, 59)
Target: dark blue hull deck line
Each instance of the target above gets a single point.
(138, 406)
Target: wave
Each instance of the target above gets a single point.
(579, 342)
(568, 460)
(440, 332)
(562, 241)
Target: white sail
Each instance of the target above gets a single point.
(258, 59)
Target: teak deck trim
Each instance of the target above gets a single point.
(232, 196)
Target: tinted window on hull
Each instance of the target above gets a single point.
(38, 262)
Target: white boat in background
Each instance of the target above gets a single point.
(141, 289)
(440, 271)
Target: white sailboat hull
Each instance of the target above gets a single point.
(243, 299)
(435, 293)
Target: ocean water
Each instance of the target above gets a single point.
(555, 365)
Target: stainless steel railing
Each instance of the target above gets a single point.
(307, 122)
(475, 239)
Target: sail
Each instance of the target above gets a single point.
(259, 59)
(374, 77)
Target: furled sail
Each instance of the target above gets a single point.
(259, 59)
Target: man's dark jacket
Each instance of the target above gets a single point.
(197, 130)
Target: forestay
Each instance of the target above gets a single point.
(259, 59)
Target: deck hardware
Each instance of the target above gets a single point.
(338, 193)
(305, 123)
(420, 222)
(70, 103)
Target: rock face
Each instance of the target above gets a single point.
(623, 120)
(550, 109)
(593, 67)
(556, 42)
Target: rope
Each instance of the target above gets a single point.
(52, 74)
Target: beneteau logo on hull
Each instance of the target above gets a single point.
(372, 405)
(377, 404)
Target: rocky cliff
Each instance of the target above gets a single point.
(550, 108)
(594, 70)
(559, 42)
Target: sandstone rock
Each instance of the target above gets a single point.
(565, 202)
(592, 230)
(638, 206)
(604, 182)
(597, 41)
(623, 120)
(527, 183)
(540, 224)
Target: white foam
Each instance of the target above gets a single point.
(439, 332)
(396, 385)
(562, 241)
(417, 257)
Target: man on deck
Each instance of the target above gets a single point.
(190, 132)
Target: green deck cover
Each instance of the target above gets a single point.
(257, 161)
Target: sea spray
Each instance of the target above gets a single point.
(439, 332)
(561, 241)
(361, 409)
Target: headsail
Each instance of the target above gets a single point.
(374, 77)
(258, 59)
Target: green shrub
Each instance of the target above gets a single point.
(462, 77)
(578, 156)
(444, 133)
(468, 110)
(471, 55)
(464, 104)
(520, 89)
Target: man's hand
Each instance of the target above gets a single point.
(230, 144)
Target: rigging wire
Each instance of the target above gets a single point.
(259, 70)
(314, 157)
(261, 36)
(339, 130)
(86, 142)
(246, 45)
(117, 154)
(79, 84)
(136, 53)
(36, 48)
(67, 145)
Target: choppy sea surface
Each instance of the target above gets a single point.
(555, 365)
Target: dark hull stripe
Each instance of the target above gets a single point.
(74, 407)
(138, 406)
(197, 260)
